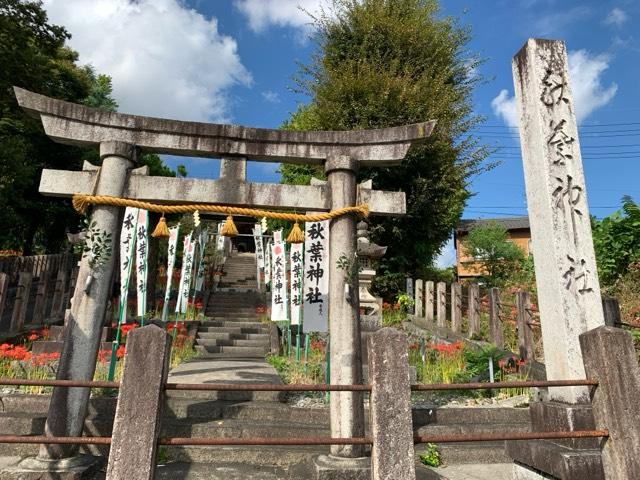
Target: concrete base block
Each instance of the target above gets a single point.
(522, 472)
(80, 467)
(328, 467)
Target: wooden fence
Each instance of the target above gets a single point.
(34, 290)
(506, 319)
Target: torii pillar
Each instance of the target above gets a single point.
(341, 153)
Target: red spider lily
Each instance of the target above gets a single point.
(180, 327)
(32, 337)
(104, 356)
(5, 346)
(260, 309)
(120, 352)
(414, 346)
(446, 348)
(386, 306)
(15, 353)
(396, 307)
(126, 328)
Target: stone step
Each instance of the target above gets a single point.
(273, 456)
(223, 471)
(232, 343)
(461, 415)
(207, 326)
(471, 428)
(232, 336)
(236, 330)
(234, 350)
(467, 453)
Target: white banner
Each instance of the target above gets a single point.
(316, 277)
(257, 239)
(186, 286)
(142, 256)
(186, 241)
(127, 244)
(267, 263)
(171, 262)
(203, 239)
(277, 236)
(296, 274)
(220, 243)
(279, 283)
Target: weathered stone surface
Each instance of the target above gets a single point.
(64, 183)
(419, 299)
(474, 310)
(441, 304)
(347, 409)
(567, 280)
(456, 307)
(522, 472)
(428, 301)
(328, 467)
(610, 357)
(84, 322)
(557, 460)
(140, 401)
(79, 125)
(562, 417)
(82, 467)
(392, 455)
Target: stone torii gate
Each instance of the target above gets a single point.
(121, 137)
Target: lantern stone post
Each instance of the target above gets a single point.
(84, 322)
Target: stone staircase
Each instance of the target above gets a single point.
(239, 273)
(240, 414)
(234, 328)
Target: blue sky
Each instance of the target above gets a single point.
(232, 61)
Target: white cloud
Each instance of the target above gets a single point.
(165, 59)
(616, 17)
(292, 13)
(585, 71)
(504, 106)
(447, 256)
(271, 97)
(560, 20)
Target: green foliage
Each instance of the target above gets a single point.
(430, 456)
(382, 63)
(182, 171)
(34, 56)
(616, 240)
(490, 249)
(477, 361)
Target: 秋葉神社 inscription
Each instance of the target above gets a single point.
(566, 275)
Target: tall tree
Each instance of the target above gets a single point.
(382, 63)
(34, 56)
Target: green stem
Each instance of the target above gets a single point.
(115, 344)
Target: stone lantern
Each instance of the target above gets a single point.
(368, 254)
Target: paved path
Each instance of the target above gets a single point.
(229, 370)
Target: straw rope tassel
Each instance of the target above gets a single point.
(229, 228)
(161, 229)
(295, 235)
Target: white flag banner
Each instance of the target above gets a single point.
(171, 262)
(203, 239)
(186, 286)
(316, 277)
(267, 263)
(128, 236)
(296, 274)
(142, 256)
(220, 244)
(277, 236)
(185, 247)
(279, 283)
(257, 238)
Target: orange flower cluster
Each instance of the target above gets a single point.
(317, 345)
(104, 356)
(510, 365)
(446, 348)
(18, 352)
(180, 328)
(386, 306)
